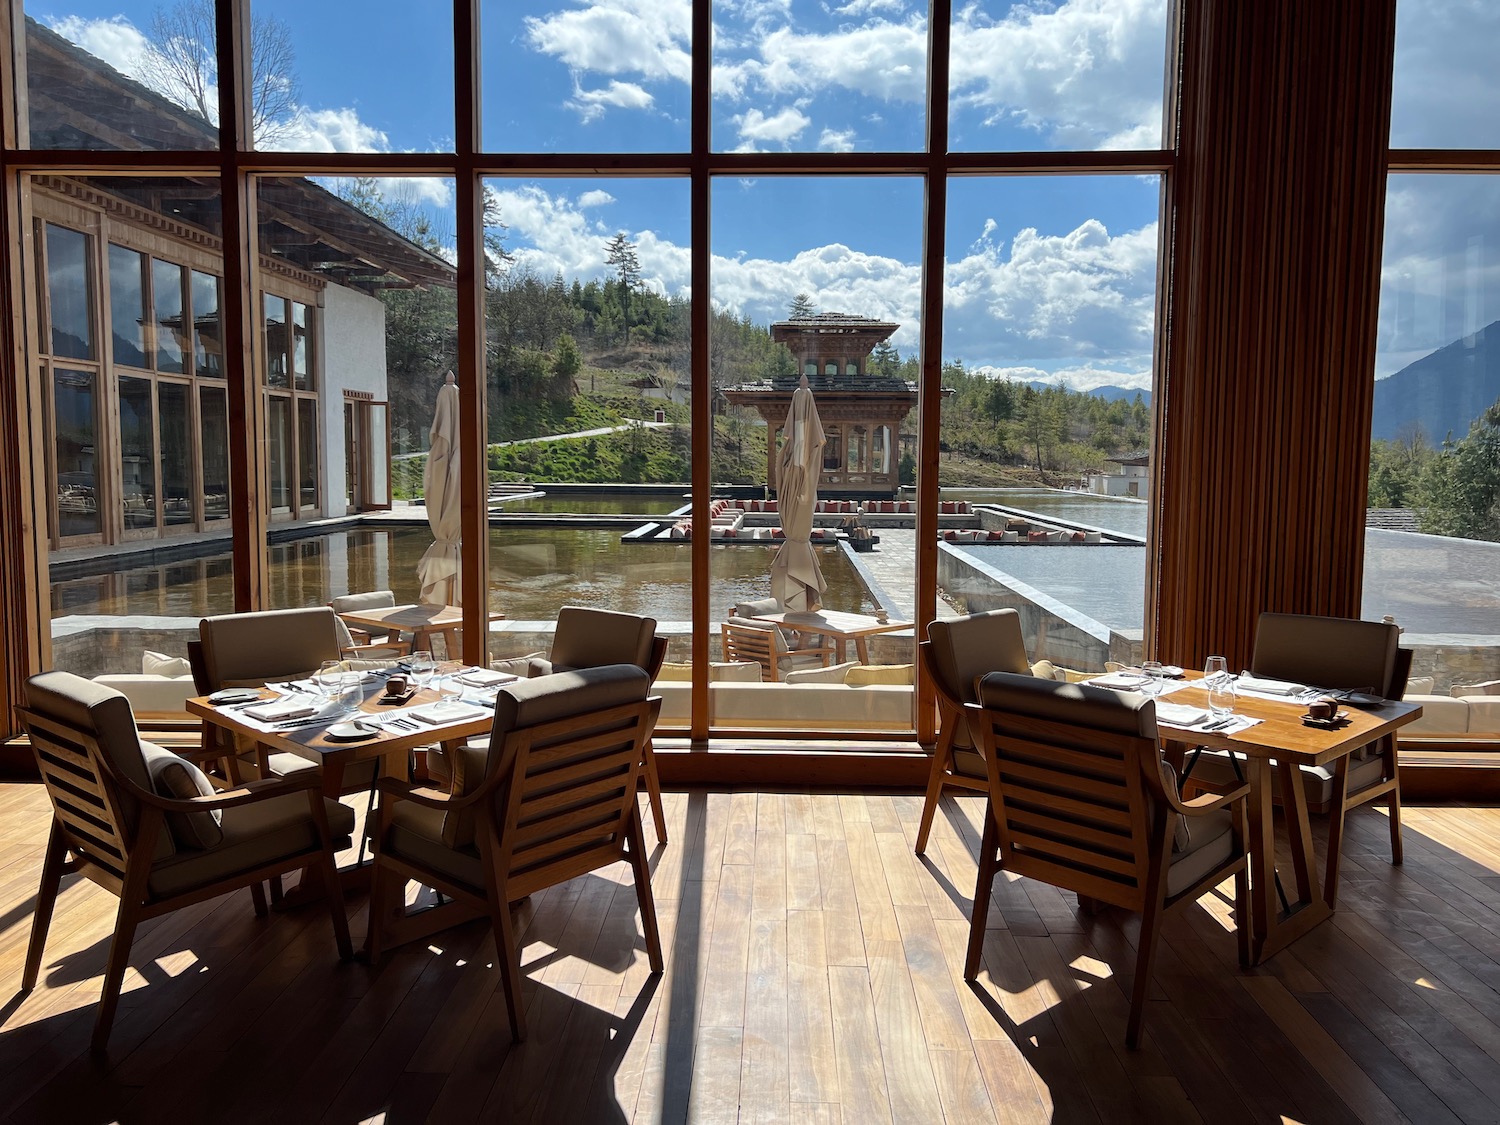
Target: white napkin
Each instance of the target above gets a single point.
(484, 678)
(1271, 687)
(286, 707)
(436, 715)
(1119, 681)
(1180, 714)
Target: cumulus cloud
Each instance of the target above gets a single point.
(115, 40)
(650, 38)
(778, 128)
(837, 140)
(598, 198)
(592, 104)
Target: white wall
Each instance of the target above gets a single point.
(352, 346)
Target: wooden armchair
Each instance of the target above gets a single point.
(145, 824)
(551, 797)
(1079, 797)
(957, 652)
(363, 643)
(746, 639)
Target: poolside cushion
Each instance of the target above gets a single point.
(862, 675)
(160, 664)
(833, 674)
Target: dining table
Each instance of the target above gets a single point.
(1266, 733)
(838, 626)
(423, 622)
(335, 738)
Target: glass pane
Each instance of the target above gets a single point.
(84, 72)
(279, 454)
(1046, 419)
(307, 456)
(127, 306)
(68, 293)
(378, 463)
(213, 410)
(1444, 80)
(592, 76)
(589, 343)
(137, 455)
(301, 370)
(274, 334)
(808, 77)
(208, 342)
(175, 422)
(171, 328)
(341, 76)
(815, 302)
(1435, 429)
(75, 418)
(1072, 75)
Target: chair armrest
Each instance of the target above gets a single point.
(428, 797)
(245, 794)
(1206, 802)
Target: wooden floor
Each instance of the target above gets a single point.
(813, 975)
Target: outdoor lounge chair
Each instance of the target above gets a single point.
(747, 639)
(361, 643)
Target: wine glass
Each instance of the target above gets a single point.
(1215, 668)
(330, 679)
(1152, 686)
(422, 668)
(1221, 696)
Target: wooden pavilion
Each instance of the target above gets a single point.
(861, 413)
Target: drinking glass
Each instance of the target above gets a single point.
(1221, 695)
(422, 668)
(349, 690)
(330, 679)
(1151, 669)
(450, 693)
(1215, 668)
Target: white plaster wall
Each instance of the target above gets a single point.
(352, 346)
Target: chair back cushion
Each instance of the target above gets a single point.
(103, 714)
(252, 648)
(354, 603)
(530, 703)
(757, 607)
(593, 638)
(964, 648)
(1328, 652)
(174, 776)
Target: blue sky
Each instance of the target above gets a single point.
(1048, 277)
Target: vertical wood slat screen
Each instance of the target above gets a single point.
(1262, 426)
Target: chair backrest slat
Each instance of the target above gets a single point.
(83, 799)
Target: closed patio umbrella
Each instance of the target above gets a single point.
(439, 566)
(796, 580)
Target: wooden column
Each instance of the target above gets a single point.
(1262, 413)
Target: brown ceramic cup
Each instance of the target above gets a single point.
(1323, 708)
(395, 685)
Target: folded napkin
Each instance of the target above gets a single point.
(285, 707)
(1180, 714)
(1120, 681)
(436, 715)
(1270, 687)
(484, 678)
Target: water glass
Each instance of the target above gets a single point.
(422, 667)
(1221, 695)
(330, 679)
(1151, 669)
(1215, 668)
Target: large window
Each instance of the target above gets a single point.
(1433, 536)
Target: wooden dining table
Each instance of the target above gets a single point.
(423, 622)
(391, 745)
(1281, 738)
(838, 626)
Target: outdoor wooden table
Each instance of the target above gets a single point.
(391, 746)
(423, 622)
(1282, 738)
(839, 627)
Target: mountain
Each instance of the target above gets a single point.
(1107, 393)
(1442, 392)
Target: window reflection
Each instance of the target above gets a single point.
(68, 293)
(75, 421)
(127, 306)
(137, 459)
(175, 425)
(214, 451)
(171, 332)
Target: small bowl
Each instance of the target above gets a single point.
(396, 685)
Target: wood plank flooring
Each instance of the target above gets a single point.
(814, 974)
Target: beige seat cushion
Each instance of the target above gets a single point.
(1213, 769)
(862, 675)
(1210, 843)
(833, 674)
(254, 835)
(416, 833)
(719, 671)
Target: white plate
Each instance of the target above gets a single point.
(351, 731)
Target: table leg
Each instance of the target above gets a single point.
(1261, 835)
(1274, 930)
(862, 650)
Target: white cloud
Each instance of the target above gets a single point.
(1086, 378)
(597, 198)
(650, 38)
(115, 40)
(880, 60)
(779, 128)
(865, 7)
(328, 130)
(592, 104)
(837, 140)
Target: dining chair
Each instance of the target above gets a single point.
(550, 797)
(1337, 653)
(1079, 797)
(146, 825)
(747, 639)
(361, 643)
(957, 651)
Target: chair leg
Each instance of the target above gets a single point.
(1338, 809)
(1145, 959)
(258, 899)
(46, 899)
(1242, 924)
(653, 790)
(935, 778)
(643, 893)
(510, 965)
(1395, 805)
(114, 973)
(989, 846)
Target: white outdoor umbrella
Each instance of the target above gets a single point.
(796, 580)
(438, 569)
